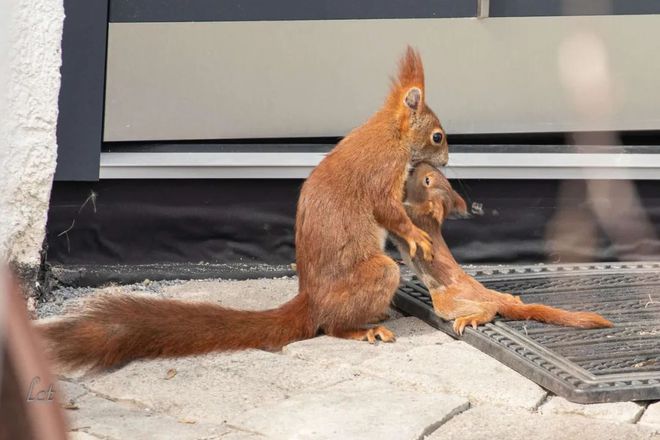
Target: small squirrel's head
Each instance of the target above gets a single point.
(419, 127)
(427, 184)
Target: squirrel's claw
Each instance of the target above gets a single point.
(461, 323)
(423, 240)
(459, 326)
(412, 248)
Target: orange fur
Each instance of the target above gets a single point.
(455, 294)
(114, 330)
(552, 315)
(346, 280)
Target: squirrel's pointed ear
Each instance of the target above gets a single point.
(413, 98)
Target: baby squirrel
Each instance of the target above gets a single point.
(455, 294)
(347, 206)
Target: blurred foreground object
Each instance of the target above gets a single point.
(29, 402)
(613, 205)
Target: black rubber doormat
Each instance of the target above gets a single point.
(584, 366)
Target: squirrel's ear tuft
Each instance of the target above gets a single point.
(411, 70)
(407, 92)
(413, 98)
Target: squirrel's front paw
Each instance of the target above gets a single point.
(436, 212)
(423, 240)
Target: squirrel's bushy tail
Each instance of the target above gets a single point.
(551, 315)
(113, 331)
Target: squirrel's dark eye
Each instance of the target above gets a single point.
(437, 137)
(427, 181)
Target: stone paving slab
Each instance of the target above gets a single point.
(358, 409)
(283, 372)
(625, 412)
(491, 422)
(215, 387)
(651, 416)
(242, 435)
(460, 369)
(329, 388)
(79, 435)
(410, 332)
(118, 420)
(196, 392)
(70, 392)
(258, 294)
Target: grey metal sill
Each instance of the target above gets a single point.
(298, 165)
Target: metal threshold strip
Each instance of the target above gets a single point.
(584, 366)
(298, 165)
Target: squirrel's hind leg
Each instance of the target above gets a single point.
(365, 296)
(485, 315)
(379, 318)
(448, 305)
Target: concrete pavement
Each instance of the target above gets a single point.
(425, 385)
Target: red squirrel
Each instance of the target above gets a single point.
(455, 294)
(347, 206)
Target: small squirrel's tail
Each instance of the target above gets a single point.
(551, 315)
(113, 331)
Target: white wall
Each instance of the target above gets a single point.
(30, 59)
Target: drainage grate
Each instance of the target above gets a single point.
(585, 366)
